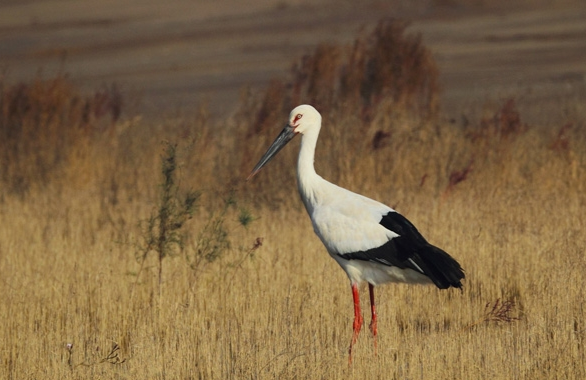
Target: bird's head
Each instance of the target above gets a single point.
(304, 119)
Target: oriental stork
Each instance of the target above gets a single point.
(372, 242)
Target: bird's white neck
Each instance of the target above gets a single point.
(307, 178)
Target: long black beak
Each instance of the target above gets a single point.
(284, 137)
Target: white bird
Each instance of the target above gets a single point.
(372, 242)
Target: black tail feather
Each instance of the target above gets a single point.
(440, 267)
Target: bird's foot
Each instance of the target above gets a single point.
(358, 321)
(374, 331)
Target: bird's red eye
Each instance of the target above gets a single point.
(297, 117)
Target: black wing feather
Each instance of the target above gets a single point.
(411, 250)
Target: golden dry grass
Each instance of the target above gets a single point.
(515, 224)
(504, 197)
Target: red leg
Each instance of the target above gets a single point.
(373, 327)
(357, 319)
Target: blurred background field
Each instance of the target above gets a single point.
(131, 247)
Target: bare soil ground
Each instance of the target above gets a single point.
(175, 55)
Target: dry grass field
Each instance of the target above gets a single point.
(501, 187)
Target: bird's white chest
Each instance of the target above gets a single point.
(347, 222)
